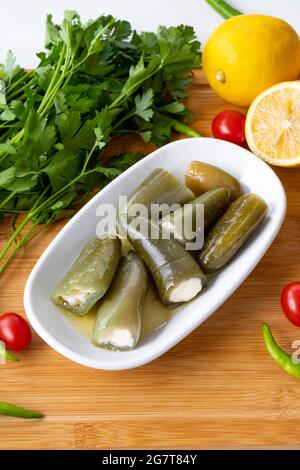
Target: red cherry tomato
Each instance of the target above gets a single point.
(14, 331)
(290, 302)
(229, 125)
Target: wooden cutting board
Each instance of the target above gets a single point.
(217, 388)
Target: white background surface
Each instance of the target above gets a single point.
(22, 21)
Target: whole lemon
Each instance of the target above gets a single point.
(247, 54)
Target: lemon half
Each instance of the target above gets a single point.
(273, 125)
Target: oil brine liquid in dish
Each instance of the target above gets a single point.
(155, 315)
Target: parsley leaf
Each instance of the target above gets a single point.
(10, 67)
(143, 105)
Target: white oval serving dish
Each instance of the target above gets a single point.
(253, 174)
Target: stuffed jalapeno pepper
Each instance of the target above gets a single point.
(183, 223)
(201, 177)
(231, 231)
(160, 187)
(90, 276)
(177, 275)
(118, 321)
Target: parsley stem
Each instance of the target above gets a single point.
(14, 236)
(89, 157)
(16, 248)
(9, 197)
(53, 81)
(12, 93)
(5, 125)
(128, 116)
(23, 76)
(16, 95)
(4, 136)
(23, 224)
(58, 85)
(66, 74)
(12, 211)
(15, 139)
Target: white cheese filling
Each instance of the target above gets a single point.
(77, 298)
(118, 338)
(186, 291)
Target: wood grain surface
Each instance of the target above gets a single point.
(216, 389)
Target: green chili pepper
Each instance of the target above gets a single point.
(90, 276)
(176, 273)
(9, 356)
(201, 177)
(183, 129)
(223, 8)
(118, 322)
(215, 202)
(281, 357)
(160, 187)
(8, 409)
(231, 232)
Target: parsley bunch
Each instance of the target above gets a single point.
(96, 81)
